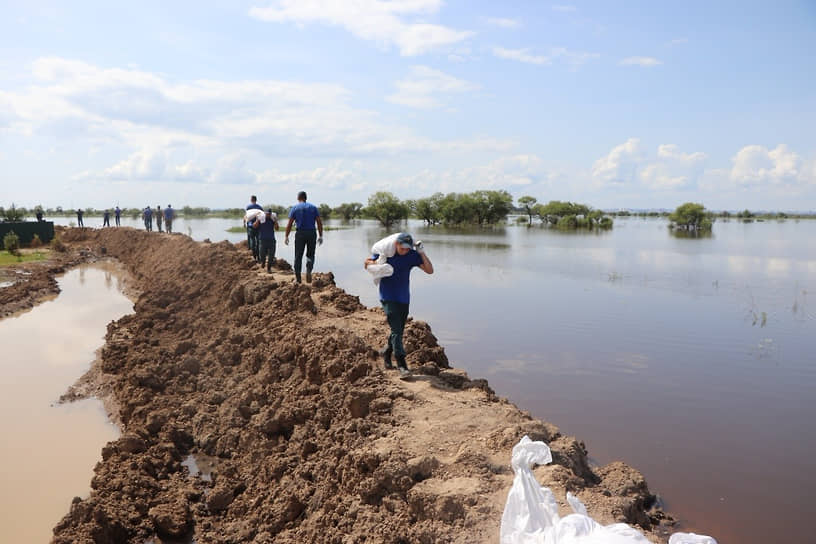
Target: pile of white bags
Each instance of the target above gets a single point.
(531, 513)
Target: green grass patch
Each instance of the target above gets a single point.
(26, 256)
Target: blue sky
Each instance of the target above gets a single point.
(614, 104)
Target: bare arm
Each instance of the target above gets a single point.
(426, 265)
(289, 226)
(319, 226)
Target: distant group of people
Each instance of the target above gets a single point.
(117, 212)
(261, 227)
(167, 214)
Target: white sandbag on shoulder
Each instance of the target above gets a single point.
(385, 248)
(253, 214)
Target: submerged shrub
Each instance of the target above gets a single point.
(567, 222)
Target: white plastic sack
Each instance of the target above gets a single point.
(384, 248)
(380, 271)
(531, 513)
(253, 214)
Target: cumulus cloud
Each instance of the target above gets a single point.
(525, 55)
(620, 164)
(646, 62)
(630, 164)
(424, 85)
(521, 172)
(155, 125)
(755, 165)
(379, 21)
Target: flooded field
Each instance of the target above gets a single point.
(690, 359)
(48, 450)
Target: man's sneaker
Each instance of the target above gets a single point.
(308, 276)
(404, 372)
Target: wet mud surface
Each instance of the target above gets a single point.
(278, 389)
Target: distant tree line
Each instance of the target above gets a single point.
(481, 208)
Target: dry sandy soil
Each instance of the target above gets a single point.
(280, 387)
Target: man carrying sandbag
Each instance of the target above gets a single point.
(395, 290)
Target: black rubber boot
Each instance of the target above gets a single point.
(386, 354)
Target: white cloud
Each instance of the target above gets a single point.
(127, 115)
(419, 90)
(503, 22)
(673, 169)
(677, 41)
(755, 165)
(619, 165)
(372, 20)
(521, 55)
(646, 62)
(628, 164)
(574, 58)
(517, 173)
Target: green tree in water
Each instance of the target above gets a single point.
(690, 216)
(386, 208)
(528, 204)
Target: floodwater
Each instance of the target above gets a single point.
(48, 450)
(690, 359)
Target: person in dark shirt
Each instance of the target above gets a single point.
(39, 216)
(106, 218)
(159, 218)
(395, 294)
(266, 235)
(252, 234)
(79, 217)
(307, 217)
(117, 213)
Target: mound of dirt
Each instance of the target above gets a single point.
(278, 386)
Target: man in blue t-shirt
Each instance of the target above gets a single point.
(117, 213)
(147, 213)
(395, 293)
(169, 215)
(306, 216)
(252, 234)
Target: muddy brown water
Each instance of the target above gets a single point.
(48, 450)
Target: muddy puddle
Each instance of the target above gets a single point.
(48, 450)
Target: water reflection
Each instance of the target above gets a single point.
(49, 450)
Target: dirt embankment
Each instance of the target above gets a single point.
(280, 387)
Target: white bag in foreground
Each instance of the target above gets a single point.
(531, 513)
